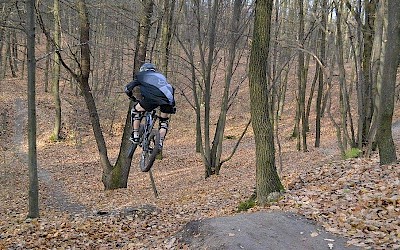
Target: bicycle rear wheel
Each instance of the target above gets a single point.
(148, 157)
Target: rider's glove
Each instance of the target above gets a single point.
(128, 92)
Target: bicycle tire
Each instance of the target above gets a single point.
(133, 146)
(147, 158)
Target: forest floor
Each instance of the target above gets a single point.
(355, 198)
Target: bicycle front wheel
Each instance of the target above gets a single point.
(148, 156)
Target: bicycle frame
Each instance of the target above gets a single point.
(150, 119)
(149, 140)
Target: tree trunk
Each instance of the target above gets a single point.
(5, 12)
(47, 67)
(368, 35)
(13, 54)
(377, 60)
(209, 169)
(56, 72)
(342, 79)
(318, 105)
(301, 73)
(143, 36)
(365, 36)
(118, 177)
(166, 33)
(3, 63)
(32, 154)
(387, 150)
(234, 34)
(267, 179)
(83, 79)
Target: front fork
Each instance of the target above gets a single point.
(147, 130)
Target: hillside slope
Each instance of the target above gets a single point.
(355, 198)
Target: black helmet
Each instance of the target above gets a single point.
(148, 66)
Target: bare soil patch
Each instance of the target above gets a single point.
(261, 230)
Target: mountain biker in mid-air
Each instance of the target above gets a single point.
(155, 92)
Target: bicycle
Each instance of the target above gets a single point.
(149, 141)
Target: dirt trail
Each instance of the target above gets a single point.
(58, 198)
(260, 230)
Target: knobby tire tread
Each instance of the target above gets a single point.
(148, 161)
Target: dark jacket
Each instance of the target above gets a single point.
(153, 86)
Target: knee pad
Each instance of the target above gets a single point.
(164, 122)
(136, 115)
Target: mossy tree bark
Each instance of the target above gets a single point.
(267, 179)
(118, 177)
